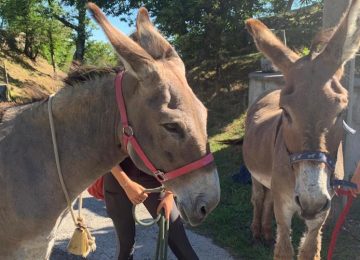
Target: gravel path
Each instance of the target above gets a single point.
(101, 227)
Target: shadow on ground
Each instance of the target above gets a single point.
(95, 206)
(103, 237)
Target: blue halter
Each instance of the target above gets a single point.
(313, 156)
(324, 158)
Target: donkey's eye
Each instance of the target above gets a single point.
(341, 114)
(173, 128)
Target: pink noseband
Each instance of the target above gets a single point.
(128, 136)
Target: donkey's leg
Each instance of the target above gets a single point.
(310, 245)
(267, 217)
(257, 199)
(283, 215)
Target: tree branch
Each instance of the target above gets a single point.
(65, 22)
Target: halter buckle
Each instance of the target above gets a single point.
(160, 175)
(128, 131)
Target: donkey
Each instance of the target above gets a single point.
(168, 120)
(293, 135)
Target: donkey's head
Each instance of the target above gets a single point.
(312, 102)
(168, 120)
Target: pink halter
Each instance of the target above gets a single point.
(128, 136)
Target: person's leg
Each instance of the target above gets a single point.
(119, 209)
(178, 240)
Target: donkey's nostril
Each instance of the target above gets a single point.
(326, 205)
(203, 211)
(297, 200)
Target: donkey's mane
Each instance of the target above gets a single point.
(79, 75)
(86, 73)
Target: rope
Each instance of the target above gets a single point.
(79, 244)
(57, 160)
(162, 240)
(340, 220)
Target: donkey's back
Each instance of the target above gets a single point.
(262, 129)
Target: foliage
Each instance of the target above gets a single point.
(213, 29)
(100, 53)
(203, 29)
(24, 16)
(75, 18)
(30, 23)
(300, 25)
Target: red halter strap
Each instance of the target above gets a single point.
(128, 136)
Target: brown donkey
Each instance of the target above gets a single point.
(168, 120)
(293, 135)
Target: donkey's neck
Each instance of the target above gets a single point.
(85, 120)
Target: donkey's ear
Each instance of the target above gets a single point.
(151, 40)
(345, 41)
(135, 59)
(271, 46)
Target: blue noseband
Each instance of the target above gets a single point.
(313, 156)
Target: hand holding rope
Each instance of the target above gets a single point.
(162, 240)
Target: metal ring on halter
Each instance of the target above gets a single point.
(160, 175)
(150, 222)
(128, 131)
(343, 184)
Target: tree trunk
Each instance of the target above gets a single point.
(52, 50)
(289, 5)
(81, 32)
(51, 42)
(27, 47)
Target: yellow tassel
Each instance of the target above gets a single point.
(81, 243)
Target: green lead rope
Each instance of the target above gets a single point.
(162, 240)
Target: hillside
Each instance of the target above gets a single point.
(28, 80)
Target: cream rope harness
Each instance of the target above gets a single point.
(81, 232)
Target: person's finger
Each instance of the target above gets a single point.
(142, 197)
(160, 206)
(143, 192)
(353, 193)
(167, 213)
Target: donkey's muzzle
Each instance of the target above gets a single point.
(310, 209)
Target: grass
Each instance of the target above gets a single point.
(28, 80)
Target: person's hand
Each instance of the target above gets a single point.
(167, 204)
(135, 192)
(356, 179)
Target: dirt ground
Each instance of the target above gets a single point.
(101, 227)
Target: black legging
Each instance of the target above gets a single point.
(119, 209)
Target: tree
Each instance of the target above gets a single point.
(100, 53)
(37, 32)
(77, 20)
(201, 29)
(24, 16)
